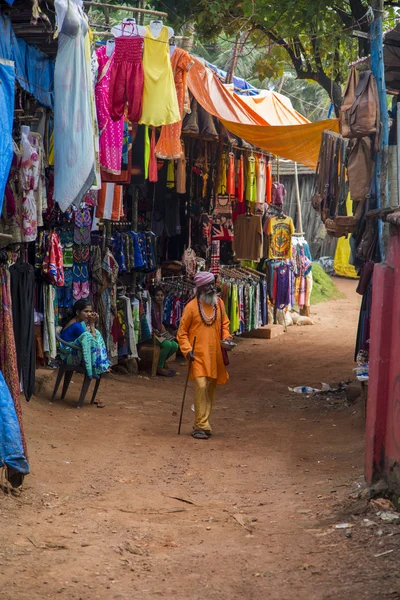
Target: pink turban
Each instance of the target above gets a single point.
(203, 278)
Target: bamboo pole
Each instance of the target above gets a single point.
(143, 11)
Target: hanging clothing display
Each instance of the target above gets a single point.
(240, 191)
(105, 275)
(8, 352)
(245, 297)
(109, 202)
(181, 172)
(22, 277)
(127, 78)
(230, 186)
(251, 184)
(74, 153)
(261, 182)
(169, 143)
(248, 240)
(158, 82)
(111, 132)
(280, 231)
(222, 174)
(32, 185)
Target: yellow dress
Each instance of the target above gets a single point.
(160, 102)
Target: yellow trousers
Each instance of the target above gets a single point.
(203, 402)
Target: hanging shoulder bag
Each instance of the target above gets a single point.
(363, 117)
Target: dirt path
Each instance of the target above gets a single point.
(98, 519)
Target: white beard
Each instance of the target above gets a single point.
(210, 299)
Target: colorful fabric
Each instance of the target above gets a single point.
(261, 178)
(126, 79)
(251, 189)
(158, 82)
(109, 202)
(74, 151)
(169, 144)
(278, 194)
(280, 231)
(91, 353)
(53, 263)
(111, 132)
(8, 353)
(12, 451)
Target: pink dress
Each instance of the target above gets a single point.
(111, 132)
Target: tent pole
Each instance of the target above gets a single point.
(299, 221)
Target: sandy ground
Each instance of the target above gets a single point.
(100, 517)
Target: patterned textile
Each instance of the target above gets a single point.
(111, 132)
(8, 353)
(91, 353)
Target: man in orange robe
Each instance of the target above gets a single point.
(205, 319)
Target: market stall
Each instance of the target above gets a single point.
(109, 193)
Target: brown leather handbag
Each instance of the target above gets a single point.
(360, 168)
(362, 118)
(348, 99)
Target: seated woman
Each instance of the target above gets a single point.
(165, 340)
(89, 350)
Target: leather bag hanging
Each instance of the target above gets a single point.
(363, 117)
(191, 120)
(360, 168)
(348, 99)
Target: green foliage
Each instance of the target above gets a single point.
(311, 37)
(324, 287)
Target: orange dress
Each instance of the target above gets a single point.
(169, 143)
(208, 361)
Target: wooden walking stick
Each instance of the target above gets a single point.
(184, 393)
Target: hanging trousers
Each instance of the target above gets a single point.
(203, 402)
(127, 79)
(22, 277)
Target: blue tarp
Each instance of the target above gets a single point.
(34, 70)
(7, 91)
(241, 85)
(11, 449)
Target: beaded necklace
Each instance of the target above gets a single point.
(208, 321)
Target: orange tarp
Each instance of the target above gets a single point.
(269, 123)
(274, 108)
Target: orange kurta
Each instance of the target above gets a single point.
(169, 144)
(208, 361)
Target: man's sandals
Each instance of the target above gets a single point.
(201, 434)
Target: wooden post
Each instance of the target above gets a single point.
(299, 221)
(396, 201)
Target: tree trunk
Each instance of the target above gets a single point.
(232, 61)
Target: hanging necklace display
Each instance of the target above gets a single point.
(208, 321)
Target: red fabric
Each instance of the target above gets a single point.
(231, 175)
(153, 171)
(268, 186)
(127, 79)
(240, 194)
